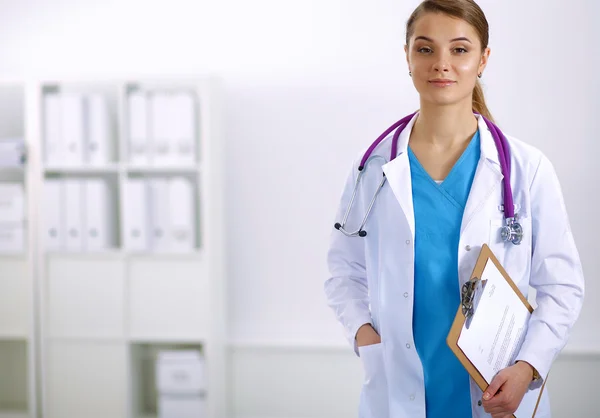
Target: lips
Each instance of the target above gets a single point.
(442, 83)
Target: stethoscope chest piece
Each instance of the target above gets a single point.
(512, 231)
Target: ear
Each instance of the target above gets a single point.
(406, 53)
(484, 60)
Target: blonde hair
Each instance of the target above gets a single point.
(471, 13)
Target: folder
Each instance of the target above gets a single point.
(52, 130)
(183, 128)
(74, 211)
(73, 128)
(99, 136)
(182, 214)
(159, 214)
(139, 145)
(12, 203)
(53, 209)
(98, 222)
(161, 116)
(488, 271)
(136, 227)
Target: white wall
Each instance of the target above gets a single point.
(308, 83)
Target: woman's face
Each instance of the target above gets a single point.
(444, 55)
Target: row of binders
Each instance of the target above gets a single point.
(81, 215)
(160, 214)
(12, 218)
(162, 128)
(80, 130)
(77, 130)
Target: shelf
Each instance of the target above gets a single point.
(111, 254)
(163, 170)
(87, 169)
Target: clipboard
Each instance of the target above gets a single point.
(468, 307)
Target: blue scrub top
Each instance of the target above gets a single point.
(438, 216)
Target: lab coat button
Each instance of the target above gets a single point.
(405, 294)
(407, 242)
(407, 345)
(412, 397)
(468, 248)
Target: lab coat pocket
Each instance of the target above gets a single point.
(374, 395)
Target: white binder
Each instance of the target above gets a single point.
(161, 115)
(183, 128)
(159, 214)
(99, 139)
(53, 209)
(182, 214)
(139, 144)
(12, 203)
(74, 214)
(73, 128)
(98, 222)
(136, 215)
(54, 148)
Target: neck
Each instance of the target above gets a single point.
(444, 126)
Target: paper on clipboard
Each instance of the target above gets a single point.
(491, 339)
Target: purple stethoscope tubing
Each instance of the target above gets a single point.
(512, 231)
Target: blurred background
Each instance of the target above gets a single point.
(163, 247)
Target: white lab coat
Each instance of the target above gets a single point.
(371, 279)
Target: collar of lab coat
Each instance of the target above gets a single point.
(488, 146)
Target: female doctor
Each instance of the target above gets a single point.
(395, 287)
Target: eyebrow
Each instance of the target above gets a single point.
(451, 40)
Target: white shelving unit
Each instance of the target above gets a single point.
(17, 277)
(90, 324)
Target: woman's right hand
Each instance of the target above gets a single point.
(367, 335)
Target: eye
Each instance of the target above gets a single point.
(424, 50)
(460, 50)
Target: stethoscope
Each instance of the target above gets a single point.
(510, 232)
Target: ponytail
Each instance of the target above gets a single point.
(479, 105)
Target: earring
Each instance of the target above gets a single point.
(410, 73)
(479, 75)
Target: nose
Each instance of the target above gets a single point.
(441, 65)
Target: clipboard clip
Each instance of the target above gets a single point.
(470, 296)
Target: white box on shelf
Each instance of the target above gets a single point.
(136, 222)
(170, 406)
(161, 117)
(180, 372)
(74, 214)
(53, 209)
(139, 140)
(12, 238)
(54, 147)
(73, 127)
(181, 384)
(182, 219)
(99, 145)
(99, 217)
(12, 202)
(159, 214)
(183, 125)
